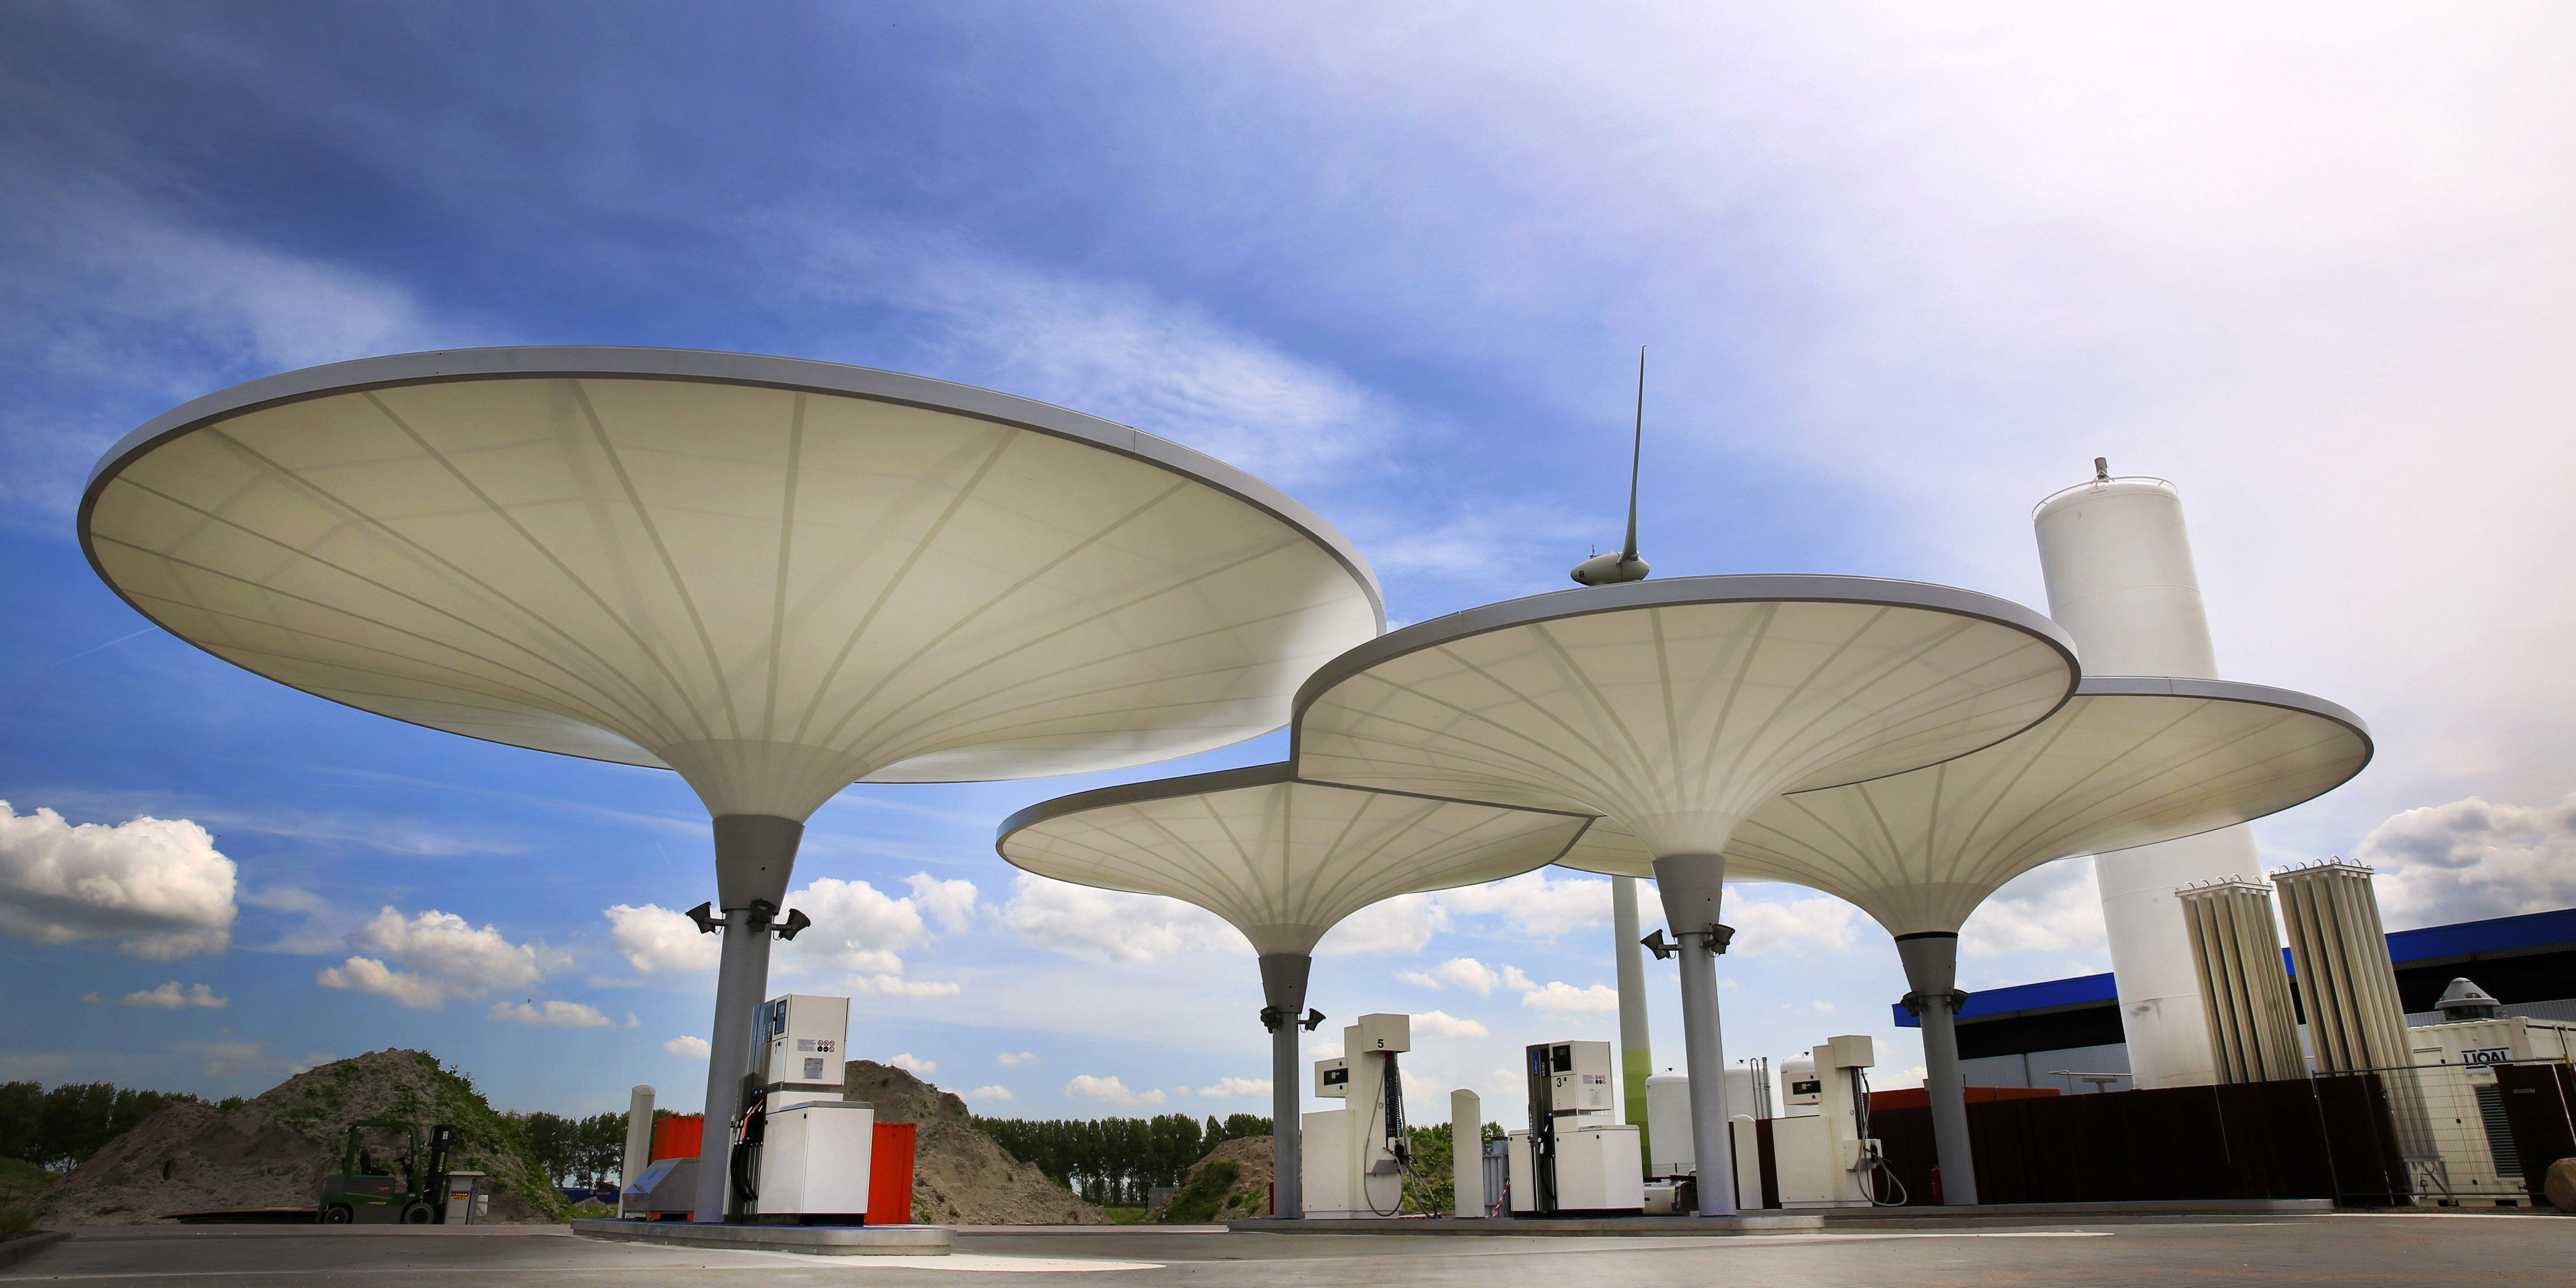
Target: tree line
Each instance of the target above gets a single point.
(1117, 1162)
(588, 1152)
(55, 1129)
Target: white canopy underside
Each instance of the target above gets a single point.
(1283, 862)
(1919, 851)
(774, 591)
(1680, 720)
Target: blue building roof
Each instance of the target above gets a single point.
(2432, 943)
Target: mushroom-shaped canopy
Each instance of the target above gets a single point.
(777, 577)
(1280, 859)
(2125, 762)
(1678, 707)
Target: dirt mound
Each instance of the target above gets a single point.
(1246, 1196)
(272, 1151)
(959, 1176)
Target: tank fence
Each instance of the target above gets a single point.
(2477, 1136)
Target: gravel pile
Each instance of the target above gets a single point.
(959, 1175)
(272, 1151)
(1248, 1195)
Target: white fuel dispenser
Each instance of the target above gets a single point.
(1573, 1159)
(1826, 1158)
(1354, 1158)
(801, 1154)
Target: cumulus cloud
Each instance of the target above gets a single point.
(1014, 1059)
(562, 1015)
(2053, 908)
(169, 997)
(898, 986)
(1110, 1090)
(1560, 998)
(662, 941)
(157, 887)
(371, 975)
(225, 1058)
(1399, 925)
(1112, 925)
(1232, 1088)
(1802, 927)
(907, 1061)
(950, 903)
(1535, 903)
(448, 956)
(1441, 1024)
(2473, 859)
(1466, 973)
(694, 1048)
(989, 1093)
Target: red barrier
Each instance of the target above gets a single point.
(890, 1175)
(1918, 1098)
(678, 1136)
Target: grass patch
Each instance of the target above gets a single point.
(17, 1220)
(20, 1179)
(1124, 1215)
(1197, 1202)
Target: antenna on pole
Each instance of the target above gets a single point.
(1607, 570)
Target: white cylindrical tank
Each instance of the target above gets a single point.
(639, 1135)
(2117, 560)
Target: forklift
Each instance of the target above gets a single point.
(387, 1178)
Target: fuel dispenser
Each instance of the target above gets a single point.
(1574, 1159)
(1825, 1157)
(801, 1152)
(1355, 1158)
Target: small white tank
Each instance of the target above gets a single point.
(1668, 1124)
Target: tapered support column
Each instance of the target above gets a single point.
(754, 855)
(1692, 886)
(1283, 990)
(1636, 1047)
(1932, 970)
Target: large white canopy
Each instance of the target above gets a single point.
(2125, 762)
(1680, 706)
(777, 577)
(1282, 860)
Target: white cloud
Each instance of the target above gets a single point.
(158, 887)
(1441, 1024)
(660, 941)
(449, 957)
(1402, 924)
(1820, 1005)
(1561, 998)
(562, 1015)
(1111, 925)
(168, 997)
(1803, 927)
(856, 928)
(898, 986)
(1535, 903)
(2472, 859)
(2053, 908)
(950, 903)
(694, 1048)
(1465, 972)
(1110, 1090)
(1014, 1059)
(906, 1061)
(371, 975)
(989, 1093)
(1234, 1088)
(1118, 352)
(223, 1058)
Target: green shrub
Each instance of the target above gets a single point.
(17, 1220)
(1197, 1202)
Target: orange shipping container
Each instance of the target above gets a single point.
(890, 1175)
(678, 1136)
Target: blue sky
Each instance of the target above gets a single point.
(1904, 272)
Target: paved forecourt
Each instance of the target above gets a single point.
(2380, 1250)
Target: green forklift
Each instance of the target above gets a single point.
(387, 1177)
